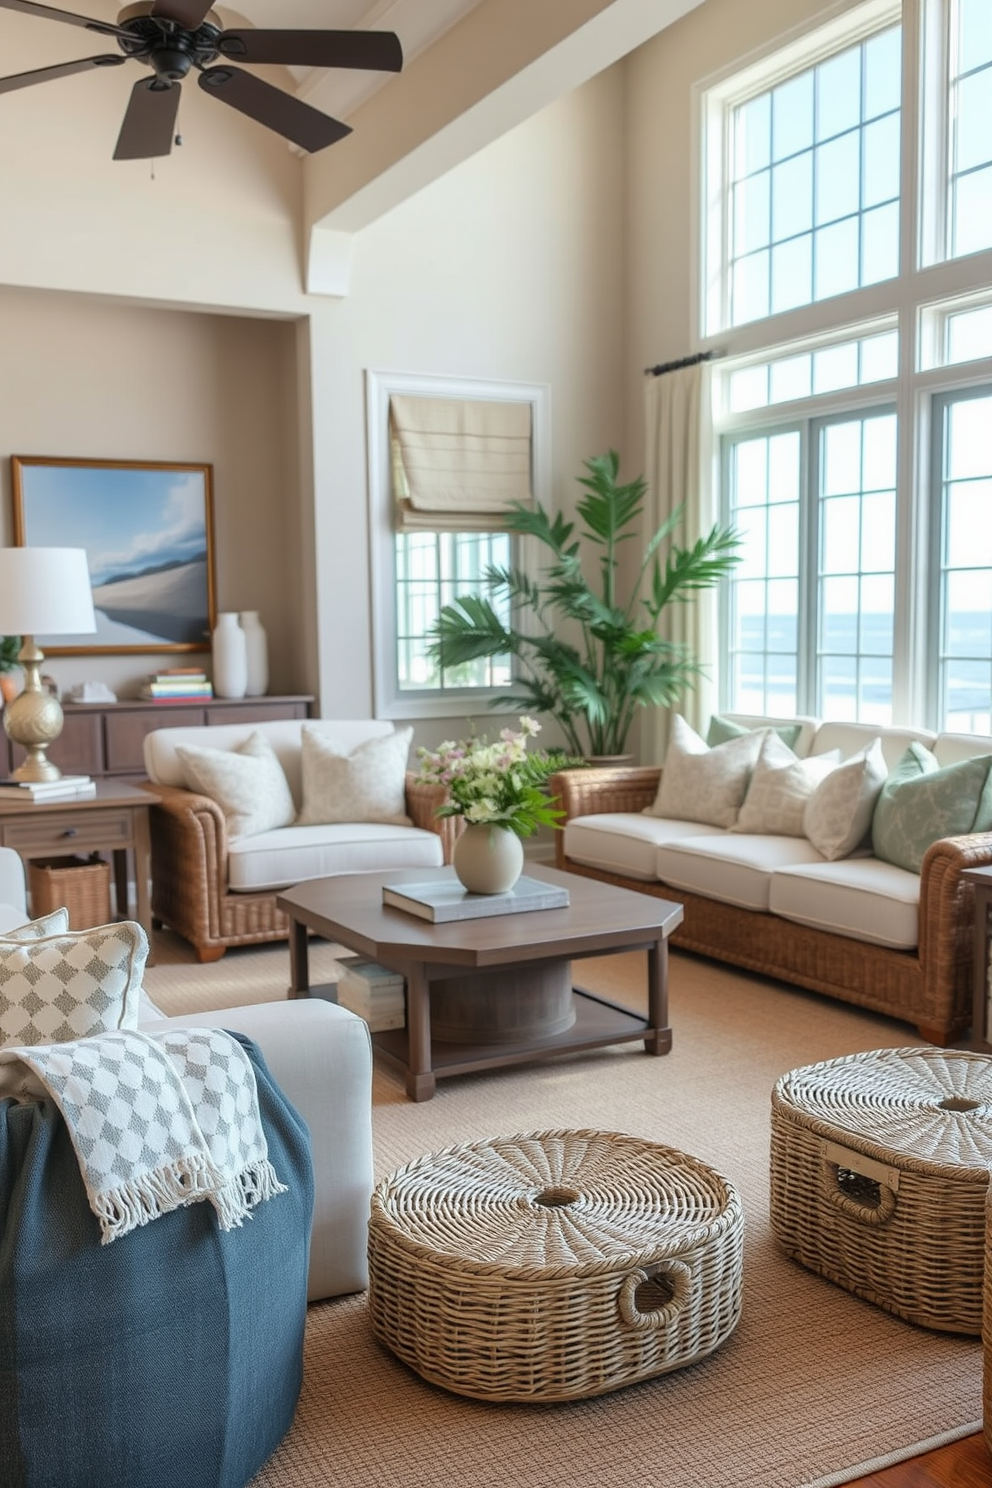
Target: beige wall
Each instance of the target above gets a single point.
(85, 379)
(509, 268)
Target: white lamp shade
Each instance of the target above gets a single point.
(45, 591)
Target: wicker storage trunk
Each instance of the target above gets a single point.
(82, 885)
(879, 1178)
(553, 1265)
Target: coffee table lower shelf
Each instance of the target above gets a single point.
(598, 1023)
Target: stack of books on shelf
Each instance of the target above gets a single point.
(47, 790)
(177, 685)
(373, 992)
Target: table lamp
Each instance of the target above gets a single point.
(43, 591)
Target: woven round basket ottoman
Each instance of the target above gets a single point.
(879, 1176)
(553, 1265)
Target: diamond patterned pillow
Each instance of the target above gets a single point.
(68, 986)
(56, 923)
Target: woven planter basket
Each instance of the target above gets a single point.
(82, 887)
(879, 1176)
(554, 1265)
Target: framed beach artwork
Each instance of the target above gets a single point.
(147, 528)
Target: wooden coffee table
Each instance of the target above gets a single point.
(490, 992)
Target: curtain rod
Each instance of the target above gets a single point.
(689, 361)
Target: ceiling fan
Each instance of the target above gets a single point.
(173, 36)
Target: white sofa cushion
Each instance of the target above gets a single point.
(838, 814)
(780, 786)
(248, 784)
(274, 860)
(701, 784)
(735, 870)
(366, 783)
(165, 768)
(626, 842)
(851, 738)
(859, 897)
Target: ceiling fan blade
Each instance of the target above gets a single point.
(288, 116)
(149, 122)
(189, 14)
(49, 13)
(376, 51)
(48, 74)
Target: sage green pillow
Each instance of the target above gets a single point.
(721, 729)
(920, 803)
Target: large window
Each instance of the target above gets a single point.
(848, 284)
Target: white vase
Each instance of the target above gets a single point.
(230, 657)
(488, 859)
(258, 653)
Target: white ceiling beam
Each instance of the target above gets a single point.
(502, 63)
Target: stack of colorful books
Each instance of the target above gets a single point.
(177, 685)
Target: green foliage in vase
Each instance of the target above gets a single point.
(497, 783)
(617, 662)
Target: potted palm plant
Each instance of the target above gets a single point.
(585, 653)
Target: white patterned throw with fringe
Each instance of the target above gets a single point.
(157, 1121)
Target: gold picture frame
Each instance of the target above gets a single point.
(147, 528)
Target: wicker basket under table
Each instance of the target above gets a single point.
(554, 1265)
(81, 885)
(879, 1177)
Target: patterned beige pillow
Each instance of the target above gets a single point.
(71, 986)
(55, 923)
(248, 784)
(701, 784)
(367, 785)
(780, 787)
(838, 814)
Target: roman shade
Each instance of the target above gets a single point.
(458, 463)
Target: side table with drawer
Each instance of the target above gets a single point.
(115, 820)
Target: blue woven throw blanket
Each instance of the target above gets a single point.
(157, 1121)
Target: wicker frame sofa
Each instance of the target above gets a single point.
(192, 852)
(928, 985)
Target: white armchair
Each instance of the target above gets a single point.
(320, 1056)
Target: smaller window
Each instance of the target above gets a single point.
(447, 458)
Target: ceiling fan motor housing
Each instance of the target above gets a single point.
(170, 52)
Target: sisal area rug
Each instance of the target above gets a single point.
(814, 1387)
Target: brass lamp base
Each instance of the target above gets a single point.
(34, 718)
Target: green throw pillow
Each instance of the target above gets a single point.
(721, 729)
(920, 803)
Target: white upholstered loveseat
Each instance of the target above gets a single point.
(855, 927)
(217, 889)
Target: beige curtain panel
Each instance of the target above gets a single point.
(458, 463)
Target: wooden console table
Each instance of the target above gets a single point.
(115, 820)
(106, 739)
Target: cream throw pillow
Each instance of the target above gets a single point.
(367, 785)
(780, 787)
(701, 784)
(838, 813)
(248, 784)
(71, 986)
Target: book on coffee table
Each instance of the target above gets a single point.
(442, 899)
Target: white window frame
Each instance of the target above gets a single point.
(389, 701)
(721, 98)
(918, 301)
